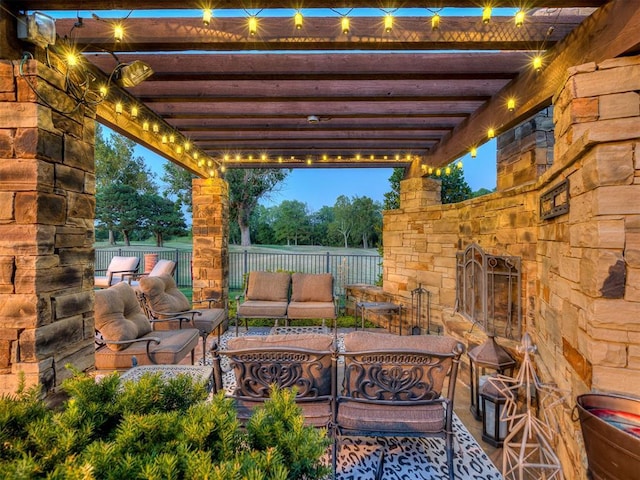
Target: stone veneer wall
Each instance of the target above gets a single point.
(47, 189)
(210, 238)
(581, 270)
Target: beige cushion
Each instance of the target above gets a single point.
(268, 286)
(118, 315)
(260, 309)
(174, 346)
(365, 341)
(308, 287)
(163, 267)
(320, 374)
(163, 294)
(301, 310)
(117, 264)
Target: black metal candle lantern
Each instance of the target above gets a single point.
(494, 427)
(488, 356)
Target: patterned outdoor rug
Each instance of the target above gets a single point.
(404, 458)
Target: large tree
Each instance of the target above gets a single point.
(179, 184)
(291, 221)
(454, 187)
(342, 218)
(117, 165)
(392, 198)
(246, 188)
(162, 217)
(120, 207)
(367, 219)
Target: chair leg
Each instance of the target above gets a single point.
(380, 468)
(204, 336)
(449, 448)
(193, 356)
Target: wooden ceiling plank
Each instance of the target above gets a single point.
(258, 4)
(318, 33)
(608, 33)
(321, 132)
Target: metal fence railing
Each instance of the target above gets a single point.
(346, 269)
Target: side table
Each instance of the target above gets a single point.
(383, 308)
(197, 373)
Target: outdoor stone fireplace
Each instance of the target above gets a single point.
(488, 291)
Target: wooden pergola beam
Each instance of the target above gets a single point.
(257, 4)
(611, 31)
(323, 34)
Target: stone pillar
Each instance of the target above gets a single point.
(525, 152)
(419, 192)
(210, 238)
(47, 194)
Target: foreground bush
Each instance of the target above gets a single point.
(152, 429)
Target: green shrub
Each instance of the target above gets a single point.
(154, 429)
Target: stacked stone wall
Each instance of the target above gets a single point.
(581, 270)
(210, 238)
(47, 199)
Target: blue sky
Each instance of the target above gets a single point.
(321, 186)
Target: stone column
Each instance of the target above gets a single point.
(210, 238)
(47, 194)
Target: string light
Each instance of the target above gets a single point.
(345, 25)
(103, 91)
(119, 108)
(172, 138)
(253, 25)
(156, 128)
(435, 21)
(447, 171)
(309, 161)
(357, 156)
(474, 152)
(430, 170)
(134, 112)
(206, 16)
(438, 172)
(491, 133)
(519, 18)
(118, 33)
(511, 104)
(179, 149)
(459, 165)
(486, 15)
(145, 126)
(397, 157)
(537, 63)
(187, 146)
(388, 22)
(297, 20)
(223, 168)
(72, 60)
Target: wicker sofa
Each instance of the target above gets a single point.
(280, 295)
(389, 385)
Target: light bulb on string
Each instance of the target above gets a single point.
(118, 108)
(511, 104)
(486, 15)
(165, 140)
(72, 60)
(537, 63)
(435, 21)
(388, 22)
(207, 13)
(491, 132)
(430, 170)
(103, 91)
(438, 172)
(134, 112)
(459, 165)
(447, 171)
(519, 18)
(179, 149)
(118, 33)
(253, 25)
(473, 151)
(187, 146)
(297, 20)
(156, 128)
(172, 138)
(345, 24)
(145, 126)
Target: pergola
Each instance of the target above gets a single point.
(413, 96)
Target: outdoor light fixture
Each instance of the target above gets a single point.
(537, 63)
(345, 25)
(156, 128)
(297, 20)
(473, 152)
(447, 171)
(486, 15)
(187, 146)
(172, 138)
(519, 18)
(145, 126)
(118, 108)
(164, 139)
(132, 74)
(179, 149)
(388, 22)
(118, 33)
(459, 165)
(511, 104)
(430, 170)
(491, 133)
(134, 112)
(103, 91)
(37, 28)
(494, 427)
(435, 22)
(487, 356)
(438, 172)
(253, 25)
(206, 16)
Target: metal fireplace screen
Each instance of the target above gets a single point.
(488, 291)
